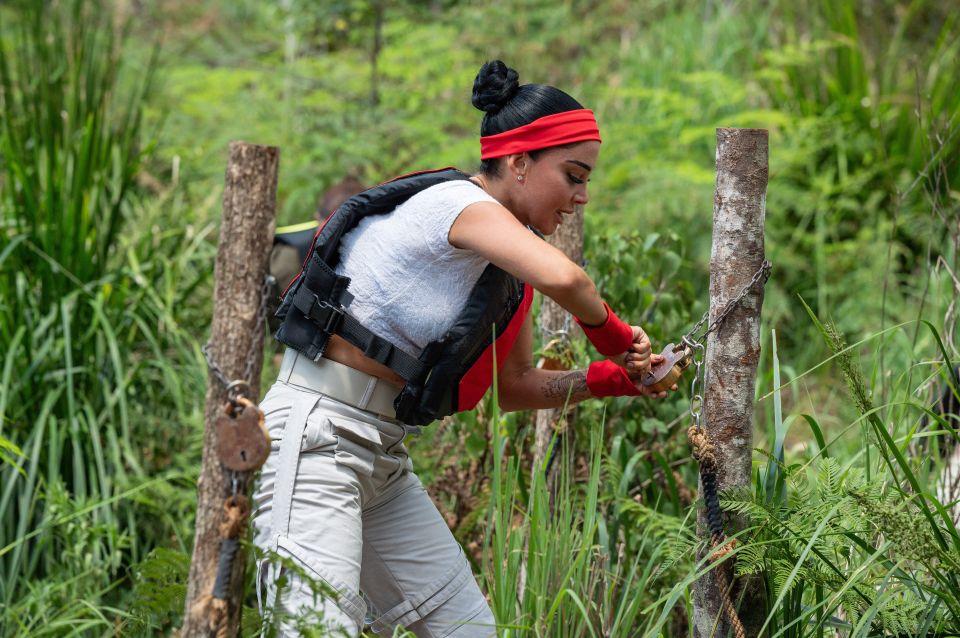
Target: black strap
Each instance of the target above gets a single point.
(332, 320)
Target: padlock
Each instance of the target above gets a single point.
(662, 376)
(243, 443)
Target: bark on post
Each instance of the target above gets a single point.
(246, 234)
(733, 351)
(553, 322)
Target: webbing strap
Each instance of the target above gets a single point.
(287, 463)
(332, 320)
(283, 484)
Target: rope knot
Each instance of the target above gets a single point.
(721, 547)
(235, 509)
(703, 450)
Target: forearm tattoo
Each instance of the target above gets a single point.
(571, 383)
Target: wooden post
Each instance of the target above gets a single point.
(246, 234)
(733, 351)
(554, 321)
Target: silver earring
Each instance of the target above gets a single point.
(519, 178)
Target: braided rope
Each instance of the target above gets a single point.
(215, 609)
(705, 454)
(215, 605)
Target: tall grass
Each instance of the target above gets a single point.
(547, 562)
(854, 542)
(874, 95)
(93, 355)
(847, 542)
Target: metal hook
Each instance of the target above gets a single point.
(233, 385)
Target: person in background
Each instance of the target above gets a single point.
(291, 243)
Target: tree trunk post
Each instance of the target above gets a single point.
(556, 324)
(733, 352)
(236, 346)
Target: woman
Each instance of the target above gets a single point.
(340, 500)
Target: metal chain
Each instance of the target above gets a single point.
(762, 273)
(547, 335)
(233, 387)
(696, 385)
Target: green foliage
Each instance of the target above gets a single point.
(876, 106)
(864, 540)
(106, 249)
(98, 375)
(549, 570)
(160, 591)
(858, 541)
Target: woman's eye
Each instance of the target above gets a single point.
(574, 179)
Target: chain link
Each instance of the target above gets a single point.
(762, 273)
(234, 387)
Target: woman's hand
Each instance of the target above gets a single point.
(657, 395)
(641, 351)
(634, 362)
(639, 360)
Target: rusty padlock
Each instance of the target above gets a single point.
(243, 443)
(663, 375)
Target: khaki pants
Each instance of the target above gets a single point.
(346, 511)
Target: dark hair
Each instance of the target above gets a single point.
(508, 105)
(336, 195)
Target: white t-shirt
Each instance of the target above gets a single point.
(409, 284)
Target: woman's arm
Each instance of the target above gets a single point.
(521, 386)
(491, 231)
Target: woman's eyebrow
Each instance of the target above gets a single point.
(580, 164)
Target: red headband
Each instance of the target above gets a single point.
(549, 130)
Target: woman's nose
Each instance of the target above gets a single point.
(581, 197)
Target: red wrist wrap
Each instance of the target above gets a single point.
(607, 379)
(610, 338)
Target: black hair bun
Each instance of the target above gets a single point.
(494, 86)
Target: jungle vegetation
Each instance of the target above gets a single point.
(116, 119)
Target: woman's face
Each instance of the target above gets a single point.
(553, 184)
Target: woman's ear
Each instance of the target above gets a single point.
(517, 165)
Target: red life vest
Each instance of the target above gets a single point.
(452, 373)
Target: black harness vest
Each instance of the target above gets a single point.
(452, 373)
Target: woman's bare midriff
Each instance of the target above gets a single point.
(349, 355)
